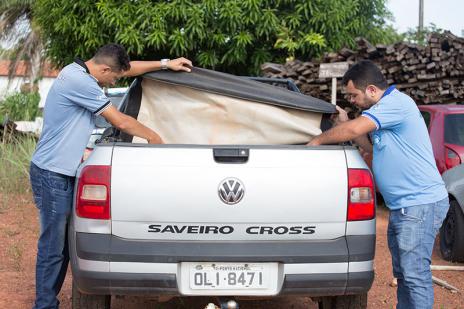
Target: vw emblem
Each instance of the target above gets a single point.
(231, 191)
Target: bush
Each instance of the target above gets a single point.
(20, 106)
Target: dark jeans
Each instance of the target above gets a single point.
(53, 195)
(411, 234)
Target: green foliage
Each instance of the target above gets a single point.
(413, 35)
(20, 106)
(229, 35)
(14, 160)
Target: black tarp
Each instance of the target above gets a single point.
(243, 88)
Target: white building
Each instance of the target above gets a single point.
(48, 76)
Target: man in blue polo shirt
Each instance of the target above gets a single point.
(72, 103)
(405, 173)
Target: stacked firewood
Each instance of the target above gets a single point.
(431, 74)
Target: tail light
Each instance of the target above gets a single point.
(451, 159)
(93, 193)
(361, 201)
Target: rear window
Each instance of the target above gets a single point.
(454, 129)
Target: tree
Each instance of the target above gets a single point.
(414, 35)
(21, 35)
(230, 35)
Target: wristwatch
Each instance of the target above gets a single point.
(164, 64)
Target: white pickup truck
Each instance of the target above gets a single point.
(262, 216)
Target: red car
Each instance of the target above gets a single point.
(446, 129)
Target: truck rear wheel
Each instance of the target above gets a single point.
(452, 234)
(87, 301)
(344, 302)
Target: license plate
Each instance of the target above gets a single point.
(229, 276)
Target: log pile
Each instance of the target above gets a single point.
(431, 74)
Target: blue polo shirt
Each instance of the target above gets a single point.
(403, 165)
(72, 103)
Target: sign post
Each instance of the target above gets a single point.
(333, 70)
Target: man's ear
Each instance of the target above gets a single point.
(105, 69)
(371, 90)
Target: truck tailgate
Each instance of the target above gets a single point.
(172, 192)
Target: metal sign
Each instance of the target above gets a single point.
(335, 69)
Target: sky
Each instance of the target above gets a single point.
(445, 14)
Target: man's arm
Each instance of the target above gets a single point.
(344, 132)
(341, 117)
(141, 67)
(130, 126)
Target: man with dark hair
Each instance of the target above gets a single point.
(113, 55)
(405, 173)
(72, 103)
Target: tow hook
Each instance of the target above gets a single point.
(229, 304)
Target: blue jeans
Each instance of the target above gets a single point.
(411, 235)
(53, 195)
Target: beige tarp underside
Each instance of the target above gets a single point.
(181, 115)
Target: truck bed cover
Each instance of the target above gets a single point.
(208, 107)
(242, 88)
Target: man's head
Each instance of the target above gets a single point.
(109, 64)
(364, 84)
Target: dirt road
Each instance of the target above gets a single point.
(18, 237)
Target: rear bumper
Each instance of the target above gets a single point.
(106, 283)
(105, 264)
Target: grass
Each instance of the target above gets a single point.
(15, 158)
(10, 233)
(15, 252)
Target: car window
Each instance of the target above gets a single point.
(454, 129)
(116, 100)
(426, 116)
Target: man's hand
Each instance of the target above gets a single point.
(340, 117)
(180, 64)
(314, 142)
(155, 140)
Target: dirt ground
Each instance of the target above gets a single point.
(18, 237)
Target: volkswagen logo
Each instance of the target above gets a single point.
(231, 191)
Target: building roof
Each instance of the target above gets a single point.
(47, 70)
